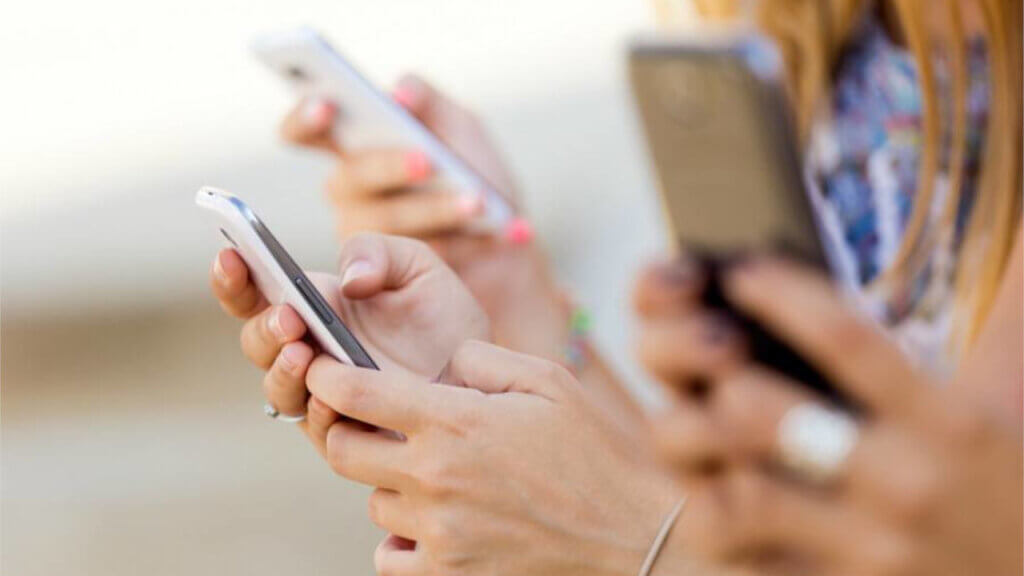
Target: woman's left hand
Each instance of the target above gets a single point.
(504, 467)
(931, 486)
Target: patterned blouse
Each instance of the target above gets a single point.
(863, 168)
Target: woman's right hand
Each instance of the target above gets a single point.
(403, 304)
(390, 191)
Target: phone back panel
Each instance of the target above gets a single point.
(729, 176)
(723, 153)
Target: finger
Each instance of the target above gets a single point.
(421, 99)
(418, 214)
(689, 440)
(750, 404)
(263, 335)
(494, 370)
(667, 289)
(319, 419)
(366, 456)
(284, 385)
(229, 279)
(694, 348)
(397, 556)
(364, 174)
(805, 309)
(391, 400)
(390, 511)
(309, 124)
(373, 263)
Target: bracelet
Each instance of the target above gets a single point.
(659, 540)
(577, 349)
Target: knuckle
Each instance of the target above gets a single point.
(435, 479)
(337, 454)
(443, 530)
(317, 409)
(555, 372)
(374, 508)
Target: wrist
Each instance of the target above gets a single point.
(652, 509)
(529, 313)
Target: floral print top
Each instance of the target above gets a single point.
(863, 168)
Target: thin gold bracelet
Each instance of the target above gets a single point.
(659, 540)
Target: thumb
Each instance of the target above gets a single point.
(495, 370)
(372, 263)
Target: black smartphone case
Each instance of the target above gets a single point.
(764, 347)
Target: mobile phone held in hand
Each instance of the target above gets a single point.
(279, 278)
(728, 169)
(369, 118)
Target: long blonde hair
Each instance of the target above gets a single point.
(811, 35)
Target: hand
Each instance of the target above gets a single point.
(932, 487)
(681, 341)
(404, 305)
(391, 191)
(504, 467)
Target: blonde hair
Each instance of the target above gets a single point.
(811, 35)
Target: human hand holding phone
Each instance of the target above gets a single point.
(396, 296)
(391, 191)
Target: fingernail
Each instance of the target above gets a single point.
(519, 231)
(356, 269)
(469, 205)
(218, 269)
(275, 324)
(678, 273)
(743, 271)
(290, 358)
(417, 166)
(405, 96)
(316, 112)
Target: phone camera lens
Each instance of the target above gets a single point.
(297, 73)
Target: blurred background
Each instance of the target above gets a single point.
(132, 430)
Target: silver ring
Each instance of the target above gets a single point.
(275, 415)
(815, 441)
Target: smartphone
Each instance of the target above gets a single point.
(727, 165)
(279, 278)
(369, 118)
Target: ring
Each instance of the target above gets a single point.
(815, 441)
(275, 415)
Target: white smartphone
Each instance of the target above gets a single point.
(368, 117)
(279, 277)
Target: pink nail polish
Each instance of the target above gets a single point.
(405, 97)
(417, 166)
(519, 231)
